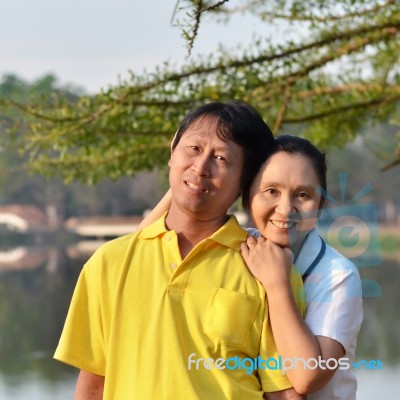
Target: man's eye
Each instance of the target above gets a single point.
(220, 158)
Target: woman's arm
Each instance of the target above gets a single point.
(163, 205)
(89, 386)
(288, 394)
(158, 211)
(271, 265)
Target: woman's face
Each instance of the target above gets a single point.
(283, 198)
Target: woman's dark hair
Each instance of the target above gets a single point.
(240, 123)
(297, 145)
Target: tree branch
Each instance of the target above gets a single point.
(391, 164)
(282, 109)
(214, 6)
(280, 55)
(341, 51)
(359, 87)
(338, 110)
(197, 17)
(331, 18)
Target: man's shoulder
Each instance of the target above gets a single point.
(231, 234)
(116, 248)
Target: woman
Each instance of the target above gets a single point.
(284, 203)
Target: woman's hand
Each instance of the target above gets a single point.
(158, 211)
(268, 262)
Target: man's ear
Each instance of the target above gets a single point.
(172, 150)
(173, 141)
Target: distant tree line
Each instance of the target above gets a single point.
(126, 195)
(20, 185)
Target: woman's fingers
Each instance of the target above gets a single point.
(261, 239)
(244, 250)
(251, 241)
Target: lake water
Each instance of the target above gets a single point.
(36, 285)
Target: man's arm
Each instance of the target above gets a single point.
(284, 395)
(89, 386)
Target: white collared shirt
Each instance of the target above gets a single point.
(334, 308)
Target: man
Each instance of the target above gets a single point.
(164, 313)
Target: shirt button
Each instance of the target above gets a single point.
(173, 265)
(168, 238)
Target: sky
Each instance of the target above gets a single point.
(89, 43)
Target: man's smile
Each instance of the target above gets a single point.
(196, 186)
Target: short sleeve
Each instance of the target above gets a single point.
(82, 341)
(334, 303)
(271, 375)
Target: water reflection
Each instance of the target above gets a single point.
(381, 327)
(33, 387)
(36, 284)
(22, 257)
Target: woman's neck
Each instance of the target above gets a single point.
(296, 246)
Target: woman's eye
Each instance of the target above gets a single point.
(303, 195)
(194, 148)
(271, 191)
(220, 158)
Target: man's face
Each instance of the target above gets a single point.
(205, 171)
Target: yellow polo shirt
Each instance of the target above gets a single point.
(159, 327)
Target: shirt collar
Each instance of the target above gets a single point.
(309, 251)
(155, 229)
(231, 234)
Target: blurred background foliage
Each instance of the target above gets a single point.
(327, 70)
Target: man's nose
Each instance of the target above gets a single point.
(202, 166)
